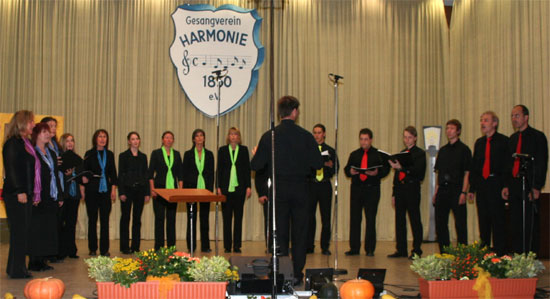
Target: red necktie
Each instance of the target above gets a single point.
(364, 164)
(402, 174)
(487, 163)
(515, 170)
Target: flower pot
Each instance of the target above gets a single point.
(150, 290)
(509, 288)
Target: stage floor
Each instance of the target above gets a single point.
(400, 280)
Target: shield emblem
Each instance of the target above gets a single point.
(224, 39)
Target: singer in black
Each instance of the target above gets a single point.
(296, 155)
(487, 178)
(406, 195)
(365, 191)
(234, 183)
(452, 165)
(100, 190)
(20, 189)
(530, 148)
(320, 191)
(133, 191)
(198, 172)
(165, 172)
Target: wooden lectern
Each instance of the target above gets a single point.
(190, 196)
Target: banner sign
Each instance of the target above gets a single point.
(209, 39)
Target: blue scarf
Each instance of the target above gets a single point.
(102, 164)
(53, 146)
(72, 187)
(49, 161)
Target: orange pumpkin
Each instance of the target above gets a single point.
(357, 289)
(44, 288)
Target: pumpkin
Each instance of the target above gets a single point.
(357, 289)
(328, 291)
(44, 288)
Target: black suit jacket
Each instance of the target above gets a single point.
(224, 168)
(415, 172)
(535, 144)
(92, 163)
(158, 168)
(499, 162)
(132, 172)
(191, 173)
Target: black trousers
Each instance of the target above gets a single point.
(407, 200)
(98, 203)
(532, 219)
(135, 196)
(164, 210)
(232, 229)
(19, 220)
(319, 192)
(291, 216)
(446, 201)
(68, 217)
(204, 214)
(490, 213)
(363, 198)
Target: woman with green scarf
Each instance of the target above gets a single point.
(165, 171)
(198, 172)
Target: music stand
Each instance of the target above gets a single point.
(190, 195)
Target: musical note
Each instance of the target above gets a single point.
(242, 65)
(218, 62)
(235, 61)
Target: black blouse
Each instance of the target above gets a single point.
(18, 168)
(158, 168)
(132, 172)
(91, 163)
(242, 164)
(191, 173)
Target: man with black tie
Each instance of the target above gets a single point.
(296, 154)
(491, 155)
(320, 191)
(365, 191)
(406, 194)
(453, 170)
(530, 148)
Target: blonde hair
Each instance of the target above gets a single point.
(233, 130)
(63, 140)
(19, 123)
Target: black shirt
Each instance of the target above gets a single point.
(375, 158)
(92, 163)
(499, 163)
(18, 168)
(296, 152)
(453, 161)
(242, 164)
(415, 172)
(158, 168)
(328, 172)
(191, 173)
(534, 143)
(132, 172)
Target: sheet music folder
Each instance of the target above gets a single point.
(363, 170)
(189, 195)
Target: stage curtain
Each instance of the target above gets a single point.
(499, 57)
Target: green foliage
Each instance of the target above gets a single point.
(100, 268)
(164, 262)
(125, 271)
(524, 266)
(433, 267)
(496, 266)
(216, 268)
(466, 258)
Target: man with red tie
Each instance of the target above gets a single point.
(530, 159)
(406, 195)
(487, 178)
(365, 191)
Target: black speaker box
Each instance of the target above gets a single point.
(375, 276)
(255, 273)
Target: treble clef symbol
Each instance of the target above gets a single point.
(185, 63)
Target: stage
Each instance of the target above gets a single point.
(400, 280)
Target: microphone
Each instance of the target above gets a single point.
(522, 156)
(336, 77)
(218, 73)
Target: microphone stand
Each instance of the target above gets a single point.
(219, 82)
(523, 173)
(337, 271)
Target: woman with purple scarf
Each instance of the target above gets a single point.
(21, 188)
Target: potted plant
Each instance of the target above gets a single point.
(165, 273)
(465, 270)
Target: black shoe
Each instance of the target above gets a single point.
(21, 276)
(397, 254)
(46, 267)
(309, 250)
(326, 252)
(127, 251)
(106, 254)
(36, 267)
(370, 253)
(352, 252)
(93, 253)
(74, 256)
(55, 259)
(227, 250)
(206, 250)
(237, 250)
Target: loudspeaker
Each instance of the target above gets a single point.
(375, 276)
(255, 273)
(317, 278)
